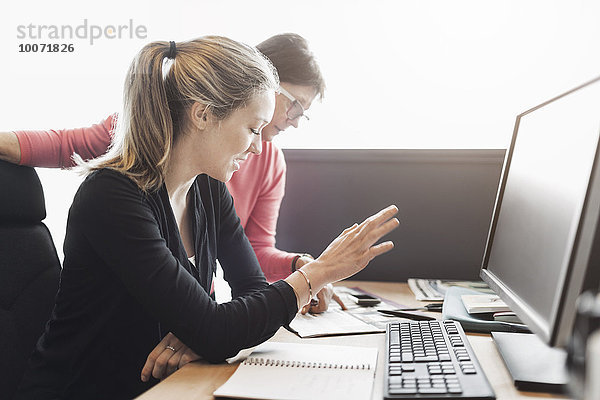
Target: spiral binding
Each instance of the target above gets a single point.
(267, 362)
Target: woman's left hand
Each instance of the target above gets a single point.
(167, 357)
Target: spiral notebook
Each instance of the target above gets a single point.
(292, 371)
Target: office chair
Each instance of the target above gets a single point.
(29, 271)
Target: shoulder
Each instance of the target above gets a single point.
(106, 187)
(108, 198)
(273, 152)
(277, 165)
(105, 179)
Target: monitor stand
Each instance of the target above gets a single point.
(533, 365)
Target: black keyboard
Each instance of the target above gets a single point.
(432, 360)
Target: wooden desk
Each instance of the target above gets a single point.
(199, 380)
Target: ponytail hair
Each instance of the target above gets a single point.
(163, 81)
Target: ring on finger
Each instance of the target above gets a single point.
(171, 348)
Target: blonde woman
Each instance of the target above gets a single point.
(258, 188)
(152, 216)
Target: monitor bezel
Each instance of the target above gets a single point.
(585, 251)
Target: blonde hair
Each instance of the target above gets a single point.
(220, 73)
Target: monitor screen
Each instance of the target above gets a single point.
(542, 237)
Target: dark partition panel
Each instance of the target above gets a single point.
(445, 198)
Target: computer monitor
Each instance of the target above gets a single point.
(543, 248)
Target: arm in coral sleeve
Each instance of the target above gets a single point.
(54, 148)
(262, 222)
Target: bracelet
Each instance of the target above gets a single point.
(294, 260)
(297, 257)
(310, 294)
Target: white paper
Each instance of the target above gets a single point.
(345, 373)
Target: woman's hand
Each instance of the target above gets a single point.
(167, 357)
(9, 147)
(354, 248)
(349, 253)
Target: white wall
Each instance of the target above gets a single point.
(400, 74)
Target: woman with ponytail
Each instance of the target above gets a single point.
(150, 219)
(258, 188)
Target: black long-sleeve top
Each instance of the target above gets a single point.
(127, 282)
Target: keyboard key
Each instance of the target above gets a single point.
(426, 358)
(403, 391)
(432, 390)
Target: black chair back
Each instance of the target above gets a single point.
(29, 271)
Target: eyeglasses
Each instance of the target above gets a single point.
(296, 110)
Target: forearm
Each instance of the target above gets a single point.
(243, 322)
(54, 148)
(9, 147)
(276, 264)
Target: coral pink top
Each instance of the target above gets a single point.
(257, 188)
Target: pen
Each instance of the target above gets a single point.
(433, 307)
(409, 315)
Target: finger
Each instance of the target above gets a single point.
(371, 237)
(305, 309)
(376, 220)
(174, 361)
(388, 211)
(380, 248)
(149, 366)
(347, 230)
(147, 369)
(382, 216)
(388, 226)
(322, 304)
(339, 301)
(160, 366)
(153, 356)
(161, 345)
